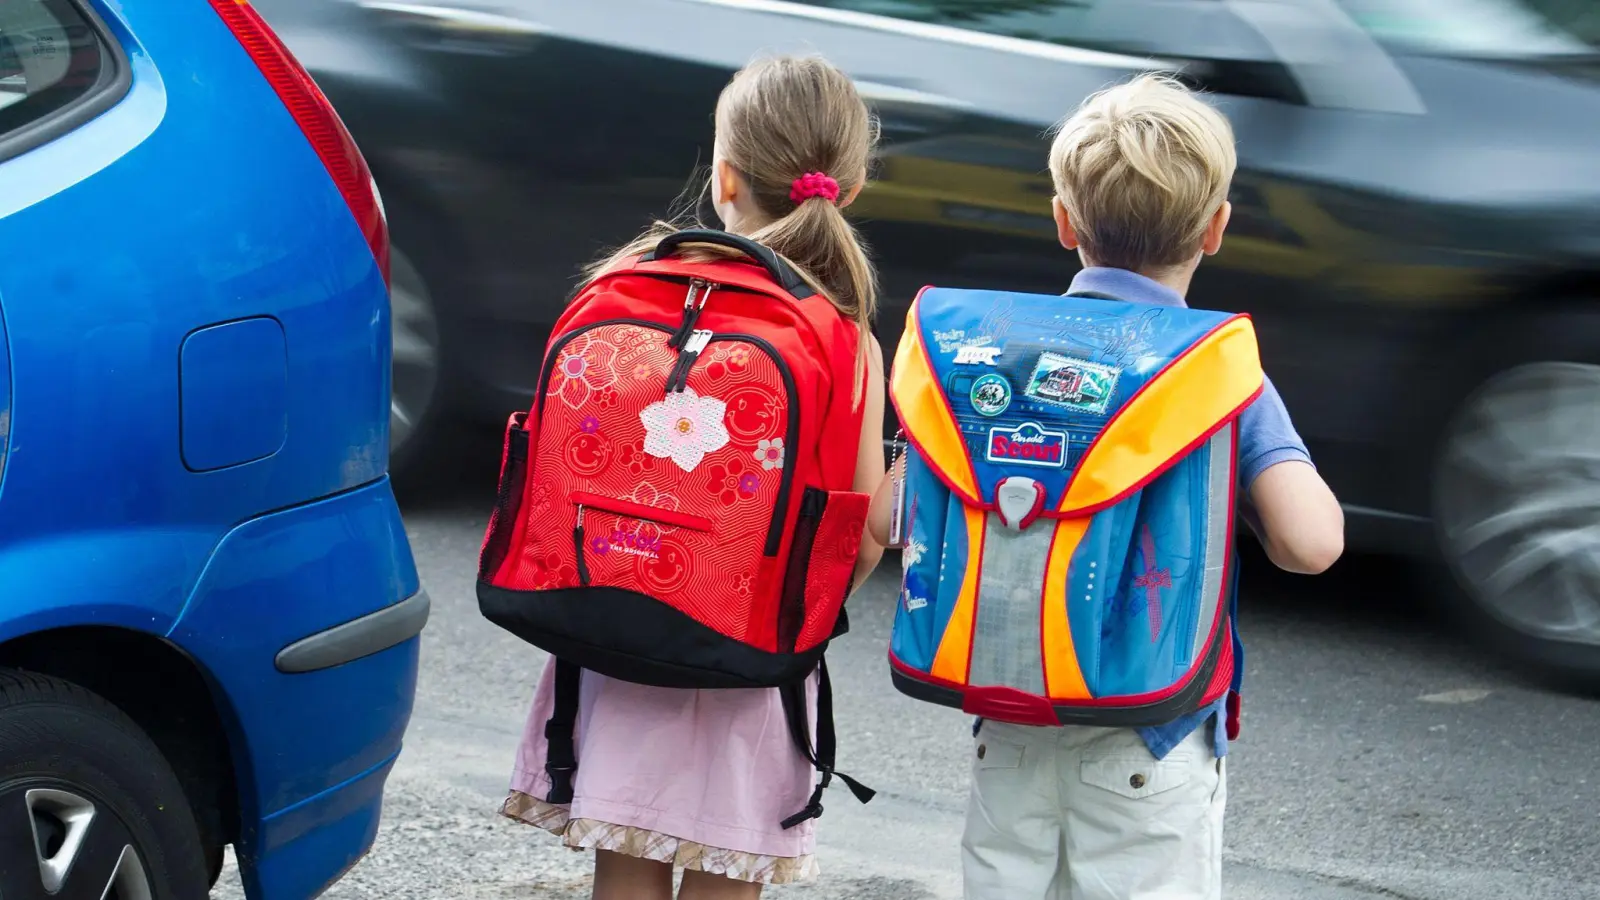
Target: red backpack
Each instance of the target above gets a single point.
(676, 509)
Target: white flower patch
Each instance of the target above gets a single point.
(770, 453)
(684, 427)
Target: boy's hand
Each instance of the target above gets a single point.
(1297, 518)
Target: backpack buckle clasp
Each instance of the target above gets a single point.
(1018, 501)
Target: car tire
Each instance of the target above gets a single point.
(88, 805)
(416, 387)
(1516, 502)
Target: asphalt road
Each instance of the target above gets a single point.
(1381, 757)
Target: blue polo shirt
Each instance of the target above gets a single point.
(1266, 438)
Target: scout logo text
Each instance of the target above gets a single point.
(1027, 444)
(991, 394)
(1071, 382)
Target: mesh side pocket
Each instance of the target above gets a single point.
(508, 501)
(831, 564)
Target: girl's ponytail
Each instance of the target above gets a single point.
(797, 131)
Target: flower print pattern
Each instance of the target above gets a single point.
(646, 494)
(599, 545)
(727, 360)
(684, 427)
(635, 460)
(729, 482)
(642, 372)
(589, 425)
(549, 571)
(586, 366)
(770, 453)
(609, 398)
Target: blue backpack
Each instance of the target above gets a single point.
(1066, 516)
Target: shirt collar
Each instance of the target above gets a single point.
(1124, 285)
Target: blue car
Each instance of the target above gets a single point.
(209, 610)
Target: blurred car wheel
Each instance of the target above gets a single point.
(90, 807)
(415, 396)
(1517, 506)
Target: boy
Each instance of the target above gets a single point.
(1141, 174)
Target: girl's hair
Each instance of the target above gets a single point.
(779, 119)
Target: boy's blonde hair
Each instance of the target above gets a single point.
(1141, 168)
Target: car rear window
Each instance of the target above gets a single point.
(51, 57)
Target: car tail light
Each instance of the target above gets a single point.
(316, 118)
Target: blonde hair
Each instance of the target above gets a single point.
(778, 119)
(1141, 169)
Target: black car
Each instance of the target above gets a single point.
(1416, 226)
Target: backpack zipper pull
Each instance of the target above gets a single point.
(678, 379)
(691, 311)
(577, 548)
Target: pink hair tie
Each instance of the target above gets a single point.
(814, 184)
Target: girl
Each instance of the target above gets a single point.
(700, 779)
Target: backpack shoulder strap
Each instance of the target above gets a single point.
(561, 757)
(826, 750)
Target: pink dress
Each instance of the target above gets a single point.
(698, 779)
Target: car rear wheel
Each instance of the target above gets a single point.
(1517, 506)
(88, 806)
(414, 395)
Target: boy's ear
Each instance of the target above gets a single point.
(1064, 230)
(1214, 229)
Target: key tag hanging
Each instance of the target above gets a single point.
(897, 488)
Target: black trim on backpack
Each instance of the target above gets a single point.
(777, 269)
(647, 641)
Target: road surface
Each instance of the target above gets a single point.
(1381, 757)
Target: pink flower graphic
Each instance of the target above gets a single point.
(684, 427)
(749, 483)
(770, 453)
(586, 366)
(589, 425)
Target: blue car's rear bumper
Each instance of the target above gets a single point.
(307, 621)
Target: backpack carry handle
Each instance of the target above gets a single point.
(780, 271)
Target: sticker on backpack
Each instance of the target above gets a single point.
(1074, 383)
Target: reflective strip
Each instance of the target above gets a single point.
(955, 647)
(1219, 487)
(1063, 674)
(1006, 640)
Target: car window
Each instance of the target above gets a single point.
(50, 58)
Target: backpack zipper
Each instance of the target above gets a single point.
(691, 311)
(678, 378)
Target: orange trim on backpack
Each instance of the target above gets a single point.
(925, 413)
(1178, 409)
(955, 648)
(1063, 674)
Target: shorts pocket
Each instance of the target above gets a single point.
(822, 562)
(993, 753)
(1136, 777)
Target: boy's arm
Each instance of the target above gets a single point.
(1288, 505)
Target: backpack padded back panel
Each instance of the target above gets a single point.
(670, 512)
(1069, 505)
